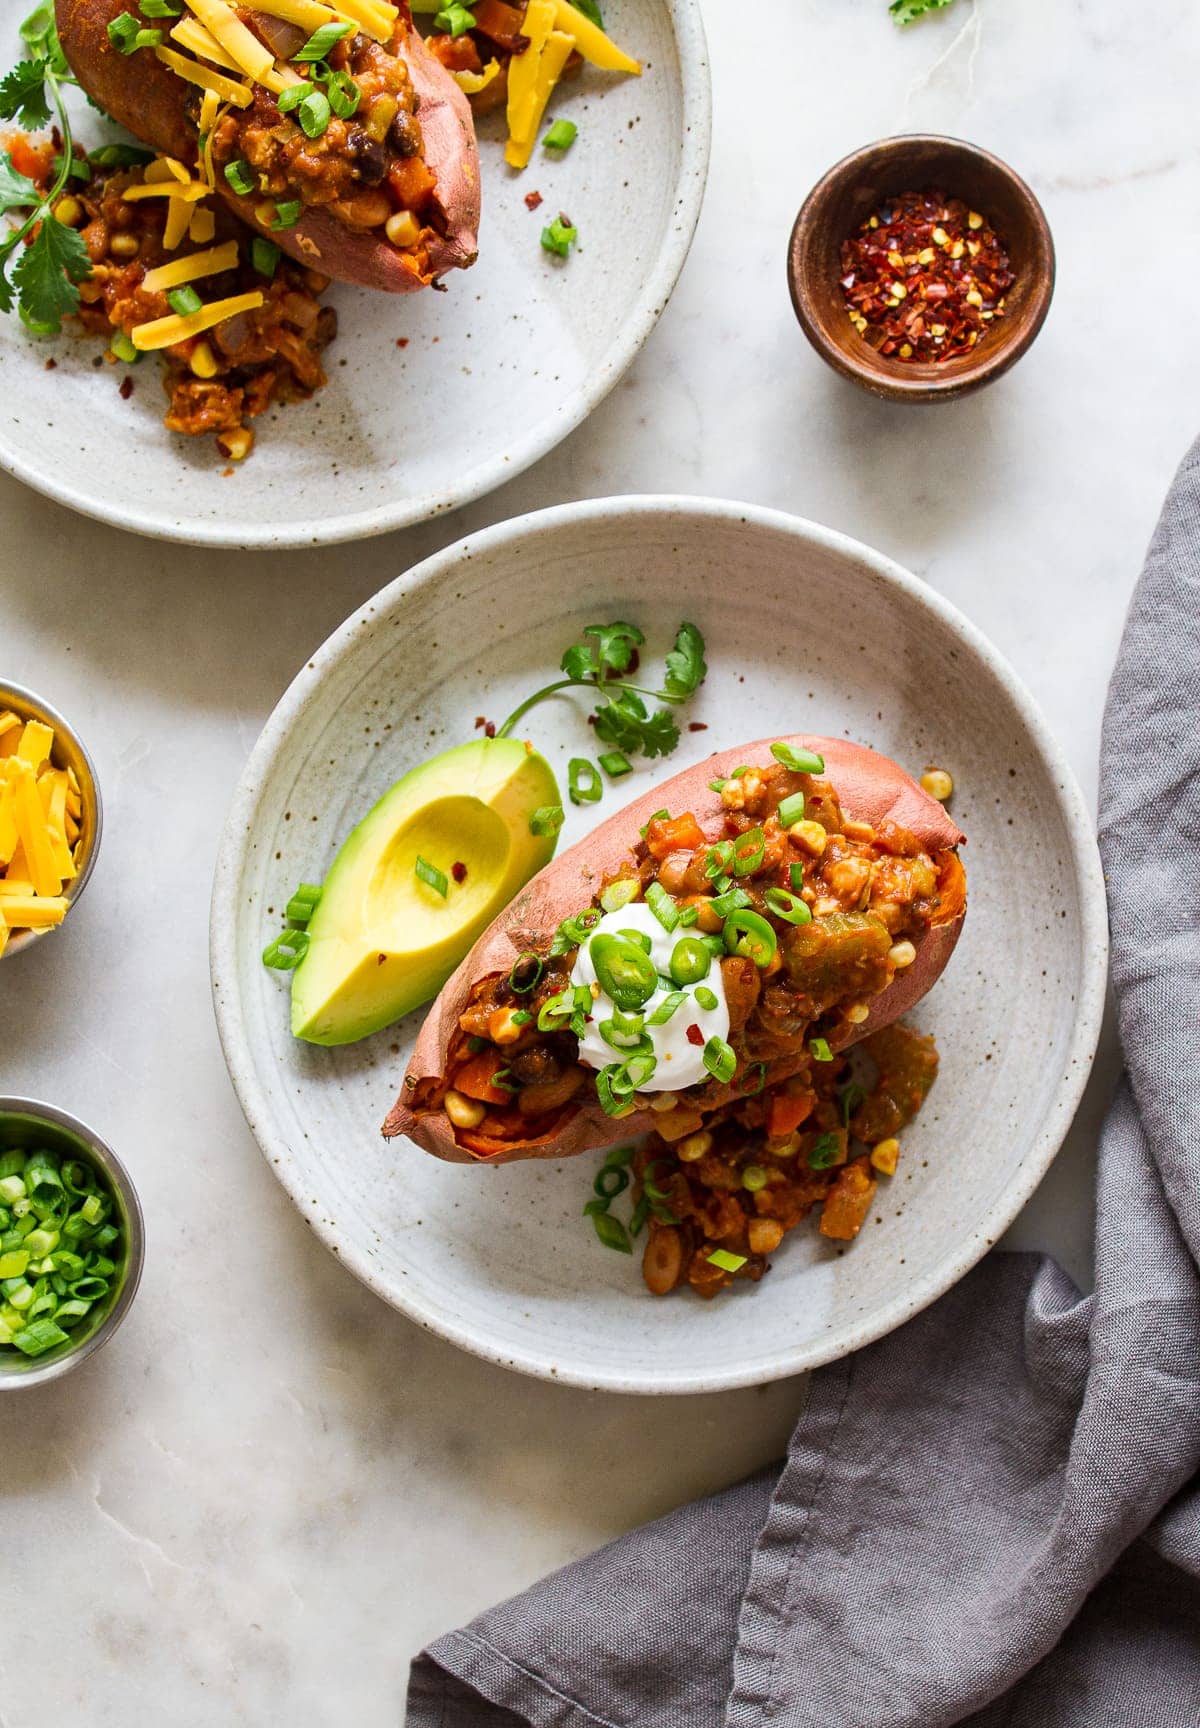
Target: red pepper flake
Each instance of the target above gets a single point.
(126, 390)
(694, 1035)
(402, 341)
(697, 726)
(532, 200)
(924, 278)
(52, 365)
(459, 871)
(480, 722)
(489, 730)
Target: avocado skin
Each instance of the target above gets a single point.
(381, 942)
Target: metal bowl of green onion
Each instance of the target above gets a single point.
(71, 1242)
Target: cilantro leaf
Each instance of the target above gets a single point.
(579, 661)
(660, 734)
(626, 722)
(16, 190)
(615, 645)
(908, 11)
(23, 95)
(686, 669)
(6, 288)
(47, 273)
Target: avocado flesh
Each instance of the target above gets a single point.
(381, 941)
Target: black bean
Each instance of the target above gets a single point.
(369, 157)
(404, 135)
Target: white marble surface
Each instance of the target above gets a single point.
(272, 1489)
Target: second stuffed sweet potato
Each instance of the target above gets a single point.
(336, 133)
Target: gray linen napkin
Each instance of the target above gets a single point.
(992, 1516)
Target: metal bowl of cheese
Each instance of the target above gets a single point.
(50, 818)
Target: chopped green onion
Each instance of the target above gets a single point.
(689, 916)
(240, 176)
(343, 93)
(123, 349)
(626, 1033)
(641, 1212)
(658, 816)
(612, 1232)
(718, 859)
(800, 761)
(707, 998)
(752, 937)
(303, 903)
(635, 1071)
(314, 114)
(265, 256)
(158, 9)
(14, 1263)
(42, 1284)
(504, 1080)
(287, 214)
(431, 876)
(547, 819)
(754, 1177)
(620, 1155)
(662, 906)
(610, 1181)
(615, 763)
(78, 168)
(826, 1151)
(720, 1060)
(850, 1097)
(184, 301)
(526, 972)
(748, 850)
(572, 932)
(649, 1178)
(791, 810)
(285, 953)
(787, 906)
(732, 900)
(619, 894)
(127, 35)
(691, 961)
(561, 135)
(796, 876)
(610, 1103)
(321, 41)
(759, 1072)
(820, 1050)
(292, 97)
(584, 785)
(667, 1008)
(559, 237)
(717, 785)
(38, 1337)
(120, 156)
(725, 1261)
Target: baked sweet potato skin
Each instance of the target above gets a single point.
(870, 787)
(147, 98)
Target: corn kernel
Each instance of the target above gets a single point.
(764, 1235)
(237, 444)
(885, 1157)
(403, 229)
(695, 1147)
(857, 1013)
(974, 219)
(68, 211)
(203, 361)
(902, 955)
(906, 350)
(464, 1112)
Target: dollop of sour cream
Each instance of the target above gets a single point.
(678, 1062)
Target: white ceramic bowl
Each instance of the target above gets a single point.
(493, 374)
(807, 632)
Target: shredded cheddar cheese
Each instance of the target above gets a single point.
(205, 79)
(471, 83)
(177, 224)
(372, 16)
(190, 194)
(554, 56)
(40, 828)
(192, 35)
(597, 48)
(193, 268)
(307, 15)
(203, 225)
(225, 27)
(165, 332)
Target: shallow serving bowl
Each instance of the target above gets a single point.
(433, 398)
(28, 1124)
(501, 1260)
(842, 200)
(69, 752)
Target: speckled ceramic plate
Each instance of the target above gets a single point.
(433, 399)
(806, 632)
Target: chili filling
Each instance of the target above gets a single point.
(842, 902)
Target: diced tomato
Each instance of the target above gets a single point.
(411, 181)
(673, 834)
(786, 1112)
(32, 160)
(474, 1078)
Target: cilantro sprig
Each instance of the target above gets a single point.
(908, 11)
(622, 717)
(40, 278)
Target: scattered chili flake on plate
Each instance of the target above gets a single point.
(532, 200)
(924, 277)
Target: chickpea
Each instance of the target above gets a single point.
(938, 784)
(808, 836)
(464, 1112)
(237, 444)
(902, 954)
(857, 1013)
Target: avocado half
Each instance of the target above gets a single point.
(382, 941)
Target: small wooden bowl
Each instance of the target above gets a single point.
(840, 202)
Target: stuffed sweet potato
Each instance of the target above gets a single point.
(777, 901)
(332, 129)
